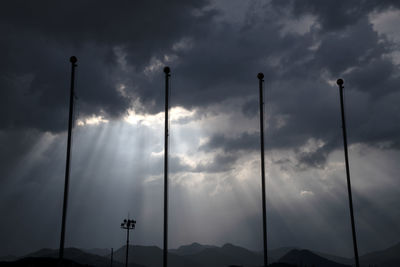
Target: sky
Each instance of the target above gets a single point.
(215, 50)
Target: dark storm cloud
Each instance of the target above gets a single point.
(219, 62)
(175, 165)
(301, 104)
(219, 163)
(313, 159)
(333, 14)
(39, 38)
(246, 141)
(354, 46)
(139, 25)
(251, 142)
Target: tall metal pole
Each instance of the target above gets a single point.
(260, 77)
(112, 257)
(127, 247)
(128, 225)
(73, 61)
(346, 157)
(165, 251)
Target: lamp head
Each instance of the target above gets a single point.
(340, 82)
(260, 76)
(73, 59)
(167, 70)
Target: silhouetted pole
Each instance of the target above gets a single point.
(260, 77)
(346, 157)
(127, 248)
(73, 61)
(112, 256)
(165, 251)
(128, 225)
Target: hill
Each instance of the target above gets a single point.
(197, 255)
(306, 257)
(103, 252)
(78, 256)
(151, 256)
(190, 249)
(275, 254)
(389, 257)
(41, 262)
(8, 258)
(280, 264)
(225, 256)
(342, 260)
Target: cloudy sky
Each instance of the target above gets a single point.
(215, 50)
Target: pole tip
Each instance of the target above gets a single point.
(340, 82)
(73, 59)
(167, 70)
(260, 76)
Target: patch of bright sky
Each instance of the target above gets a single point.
(386, 23)
(312, 145)
(93, 120)
(176, 115)
(144, 119)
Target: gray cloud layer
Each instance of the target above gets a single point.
(40, 37)
(218, 60)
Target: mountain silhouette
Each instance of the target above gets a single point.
(338, 259)
(225, 256)
(389, 257)
(8, 258)
(194, 255)
(78, 256)
(281, 264)
(151, 256)
(104, 252)
(275, 254)
(41, 262)
(306, 257)
(190, 249)
(197, 255)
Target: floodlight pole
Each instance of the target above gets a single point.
(340, 83)
(260, 77)
(127, 247)
(128, 225)
(73, 61)
(112, 257)
(167, 71)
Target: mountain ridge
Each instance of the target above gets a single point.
(198, 255)
(389, 257)
(306, 257)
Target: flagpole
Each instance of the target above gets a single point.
(260, 77)
(340, 83)
(165, 250)
(73, 61)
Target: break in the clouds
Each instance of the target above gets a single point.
(215, 50)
